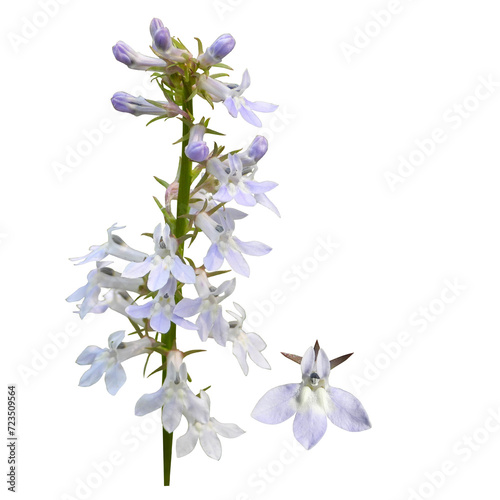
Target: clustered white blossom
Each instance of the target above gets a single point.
(160, 287)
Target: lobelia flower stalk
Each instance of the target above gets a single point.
(169, 300)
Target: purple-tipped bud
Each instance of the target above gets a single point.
(254, 152)
(217, 51)
(125, 54)
(258, 148)
(197, 149)
(155, 25)
(162, 40)
(222, 46)
(137, 106)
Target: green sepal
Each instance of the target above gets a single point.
(200, 46)
(165, 184)
(222, 65)
(218, 75)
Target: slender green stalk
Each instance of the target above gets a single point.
(169, 339)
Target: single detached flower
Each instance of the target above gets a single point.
(207, 434)
(219, 229)
(210, 322)
(114, 246)
(175, 397)
(109, 361)
(197, 149)
(232, 96)
(161, 310)
(125, 54)
(312, 401)
(163, 264)
(138, 106)
(246, 343)
(217, 51)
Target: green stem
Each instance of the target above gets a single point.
(169, 339)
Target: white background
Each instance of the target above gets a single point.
(342, 125)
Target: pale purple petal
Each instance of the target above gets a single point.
(78, 294)
(94, 373)
(184, 323)
(220, 329)
(204, 324)
(115, 378)
(237, 262)
(249, 116)
(309, 426)
(196, 408)
(115, 339)
(256, 356)
(241, 356)
(140, 312)
(252, 247)
(158, 277)
(188, 307)
(308, 362)
(226, 430)
(210, 443)
(260, 187)
(231, 107)
(88, 355)
(171, 415)
(223, 194)
(138, 269)
(150, 402)
(183, 272)
(322, 364)
(245, 199)
(186, 443)
(217, 169)
(245, 81)
(160, 322)
(262, 107)
(90, 301)
(214, 259)
(277, 405)
(266, 202)
(256, 341)
(347, 412)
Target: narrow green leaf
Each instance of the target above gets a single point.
(165, 184)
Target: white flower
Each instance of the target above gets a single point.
(219, 229)
(206, 433)
(161, 310)
(102, 277)
(114, 246)
(312, 401)
(163, 264)
(110, 360)
(210, 321)
(246, 343)
(233, 184)
(232, 96)
(174, 396)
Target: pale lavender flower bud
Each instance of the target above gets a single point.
(217, 51)
(254, 152)
(155, 25)
(197, 149)
(162, 41)
(134, 60)
(136, 106)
